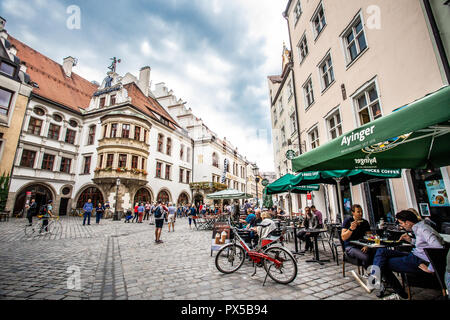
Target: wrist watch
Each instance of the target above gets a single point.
(351, 229)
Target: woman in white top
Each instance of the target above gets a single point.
(268, 223)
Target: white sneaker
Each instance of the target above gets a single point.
(361, 282)
(393, 296)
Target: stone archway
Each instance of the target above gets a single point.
(40, 192)
(92, 193)
(183, 199)
(163, 196)
(142, 195)
(198, 199)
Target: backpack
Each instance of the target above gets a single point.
(158, 212)
(43, 210)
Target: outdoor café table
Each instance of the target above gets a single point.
(315, 233)
(385, 245)
(294, 228)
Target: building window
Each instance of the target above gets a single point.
(188, 176)
(302, 48)
(53, 131)
(318, 21)
(5, 101)
(280, 104)
(105, 128)
(91, 135)
(137, 133)
(100, 162)
(326, 72)
(145, 135)
(126, 131)
(181, 152)
(181, 175)
(113, 130)
(102, 102)
(158, 169)
(28, 157)
(334, 125)
(293, 121)
(168, 172)
(113, 100)
(65, 165)
(368, 105)
(73, 123)
(87, 165)
(160, 142)
(143, 164)
(109, 160)
(355, 40)
(298, 11)
(314, 138)
(70, 136)
(47, 162)
(38, 111)
(290, 90)
(169, 146)
(134, 162)
(57, 118)
(8, 69)
(35, 126)
(122, 161)
(309, 93)
(215, 160)
(283, 136)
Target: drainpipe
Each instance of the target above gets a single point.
(291, 68)
(192, 160)
(438, 39)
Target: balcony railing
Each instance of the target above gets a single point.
(121, 173)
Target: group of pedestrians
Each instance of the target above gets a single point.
(88, 209)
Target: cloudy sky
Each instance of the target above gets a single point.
(214, 54)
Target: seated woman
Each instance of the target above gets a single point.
(310, 222)
(267, 225)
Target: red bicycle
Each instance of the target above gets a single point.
(279, 263)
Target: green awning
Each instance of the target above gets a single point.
(416, 136)
(354, 176)
(284, 184)
(229, 194)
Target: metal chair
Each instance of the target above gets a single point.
(347, 258)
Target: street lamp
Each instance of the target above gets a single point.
(256, 173)
(116, 214)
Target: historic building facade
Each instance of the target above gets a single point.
(354, 62)
(217, 163)
(83, 140)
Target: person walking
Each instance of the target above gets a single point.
(87, 208)
(107, 209)
(147, 210)
(159, 222)
(31, 211)
(171, 217)
(192, 216)
(136, 206)
(141, 210)
(99, 210)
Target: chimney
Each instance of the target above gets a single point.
(144, 80)
(68, 64)
(2, 23)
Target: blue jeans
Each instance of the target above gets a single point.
(354, 252)
(88, 216)
(98, 216)
(390, 261)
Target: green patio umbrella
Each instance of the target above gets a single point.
(414, 137)
(336, 176)
(229, 194)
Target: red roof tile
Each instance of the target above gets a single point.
(74, 92)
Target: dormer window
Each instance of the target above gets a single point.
(73, 123)
(102, 102)
(113, 100)
(38, 111)
(7, 69)
(57, 118)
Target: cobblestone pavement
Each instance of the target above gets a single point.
(121, 261)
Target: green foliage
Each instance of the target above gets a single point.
(267, 203)
(4, 189)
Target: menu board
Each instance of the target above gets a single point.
(437, 194)
(220, 236)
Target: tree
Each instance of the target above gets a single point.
(267, 203)
(4, 189)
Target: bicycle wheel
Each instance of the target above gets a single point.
(287, 271)
(230, 258)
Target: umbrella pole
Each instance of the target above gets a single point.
(290, 204)
(338, 182)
